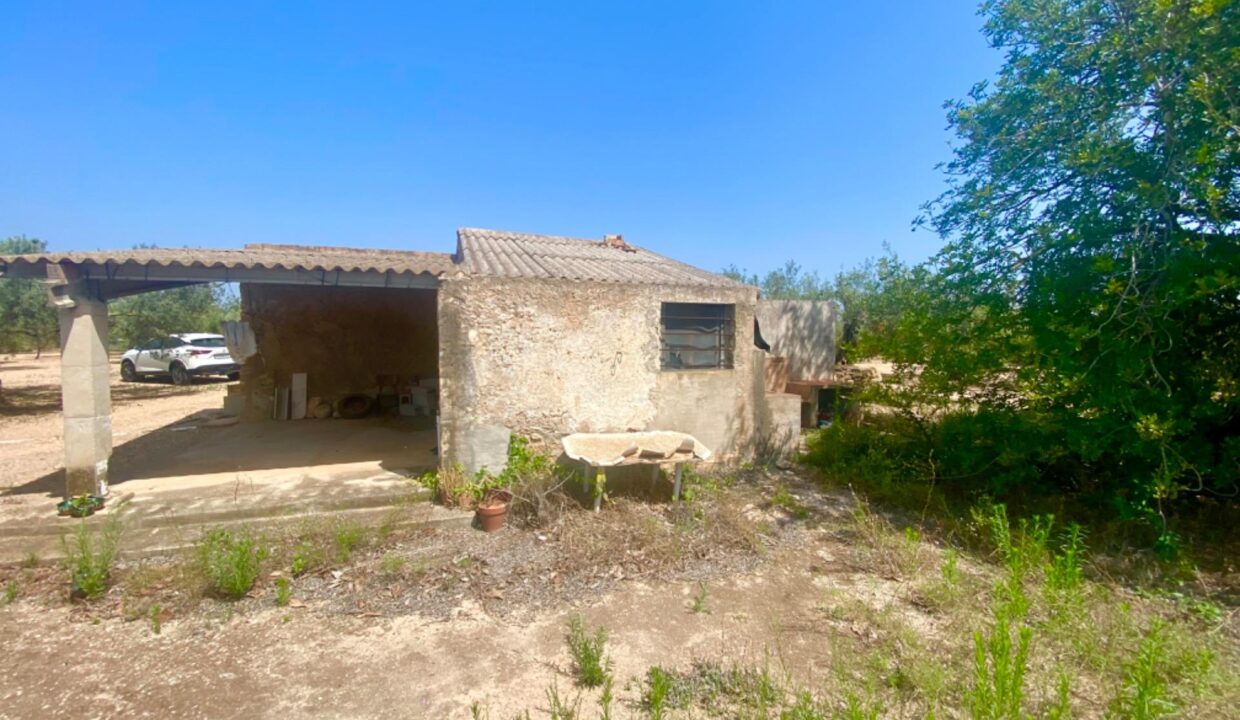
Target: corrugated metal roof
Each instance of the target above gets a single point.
(282, 257)
(480, 252)
(512, 254)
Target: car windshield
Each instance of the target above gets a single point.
(207, 342)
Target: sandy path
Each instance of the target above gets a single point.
(296, 663)
(31, 433)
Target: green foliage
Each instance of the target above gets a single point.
(284, 592)
(590, 664)
(1062, 709)
(561, 709)
(698, 606)
(1065, 576)
(785, 500)
(855, 709)
(524, 466)
(871, 298)
(999, 671)
(1092, 269)
(659, 686)
(347, 538)
(230, 561)
(195, 308)
(1145, 695)
(1075, 336)
(304, 555)
(605, 699)
(27, 321)
(949, 571)
(89, 556)
(157, 623)
(11, 591)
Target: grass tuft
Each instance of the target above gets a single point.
(590, 665)
(230, 561)
(89, 556)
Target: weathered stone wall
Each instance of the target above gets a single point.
(547, 358)
(803, 331)
(343, 338)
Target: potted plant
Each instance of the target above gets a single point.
(80, 506)
(493, 509)
(452, 487)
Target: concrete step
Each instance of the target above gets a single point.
(155, 535)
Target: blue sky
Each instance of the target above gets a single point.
(717, 133)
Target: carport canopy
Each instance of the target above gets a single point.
(79, 286)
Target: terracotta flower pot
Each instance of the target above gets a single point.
(491, 515)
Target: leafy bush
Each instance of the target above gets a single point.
(89, 556)
(230, 561)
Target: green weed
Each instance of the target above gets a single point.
(347, 538)
(1062, 709)
(999, 672)
(699, 601)
(558, 708)
(1145, 696)
(659, 685)
(230, 561)
(284, 592)
(605, 699)
(804, 708)
(1064, 574)
(89, 557)
(393, 564)
(300, 562)
(854, 709)
(784, 499)
(11, 591)
(590, 664)
(157, 624)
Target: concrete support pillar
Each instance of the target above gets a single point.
(86, 395)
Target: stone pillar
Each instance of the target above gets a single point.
(86, 395)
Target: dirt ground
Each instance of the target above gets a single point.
(31, 432)
(759, 568)
(473, 617)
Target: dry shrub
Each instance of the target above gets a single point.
(539, 497)
(640, 538)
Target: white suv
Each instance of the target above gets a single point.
(180, 357)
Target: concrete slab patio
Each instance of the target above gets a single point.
(255, 473)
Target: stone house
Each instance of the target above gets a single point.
(536, 335)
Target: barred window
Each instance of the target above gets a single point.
(697, 336)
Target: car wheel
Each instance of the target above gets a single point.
(234, 376)
(180, 376)
(128, 373)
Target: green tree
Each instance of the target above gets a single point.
(871, 298)
(1092, 267)
(195, 308)
(27, 321)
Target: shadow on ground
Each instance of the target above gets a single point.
(187, 447)
(43, 399)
